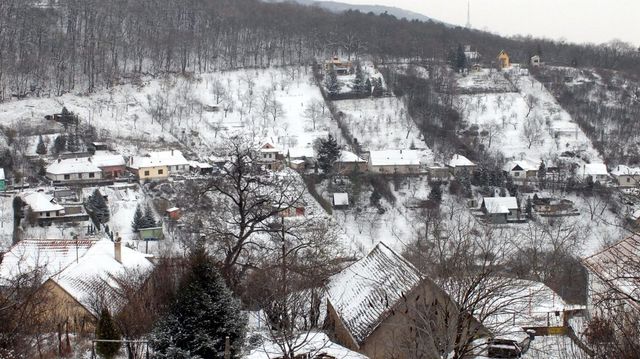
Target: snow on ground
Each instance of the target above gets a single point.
(197, 112)
(369, 70)
(553, 347)
(6, 221)
(484, 81)
(381, 123)
(526, 124)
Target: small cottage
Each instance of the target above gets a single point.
(73, 170)
(596, 171)
(340, 200)
(501, 210)
(535, 61)
(626, 177)
(460, 165)
(394, 161)
(270, 157)
(503, 59)
(349, 162)
(43, 206)
(159, 165)
(523, 171)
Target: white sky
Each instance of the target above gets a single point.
(594, 21)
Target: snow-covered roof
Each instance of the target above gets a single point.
(40, 202)
(162, 158)
(313, 344)
(340, 199)
(96, 271)
(460, 161)
(200, 165)
(72, 165)
(1, 174)
(622, 170)
(500, 205)
(395, 158)
(364, 293)
(47, 256)
(524, 165)
(617, 266)
(347, 156)
(107, 159)
(593, 169)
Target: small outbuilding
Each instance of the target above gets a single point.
(340, 200)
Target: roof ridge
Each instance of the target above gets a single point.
(635, 237)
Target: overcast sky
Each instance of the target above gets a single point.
(594, 21)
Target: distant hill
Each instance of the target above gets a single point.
(337, 7)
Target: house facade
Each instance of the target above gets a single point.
(349, 162)
(626, 177)
(159, 165)
(394, 162)
(460, 165)
(523, 171)
(504, 61)
(73, 170)
(44, 206)
(535, 61)
(596, 171)
(501, 210)
(382, 305)
(270, 157)
(112, 165)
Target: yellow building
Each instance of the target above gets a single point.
(158, 165)
(503, 60)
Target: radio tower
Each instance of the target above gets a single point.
(468, 14)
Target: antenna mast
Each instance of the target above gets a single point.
(468, 14)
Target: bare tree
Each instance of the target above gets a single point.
(532, 132)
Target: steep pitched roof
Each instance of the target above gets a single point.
(524, 165)
(40, 202)
(96, 273)
(460, 161)
(364, 293)
(618, 266)
(48, 256)
(395, 158)
(500, 205)
(347, 156)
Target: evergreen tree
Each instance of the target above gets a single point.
(106, 329)
(202, 315)
(542, 174)
(328, 153)
(97, 207)
(137, 219)
(375, 198)
(377, 90)
(461, 59)
(41, 149)
(360, 83)
(60, 144)
(529, 208)
(331, 82)
(148, 220)
(435, 195)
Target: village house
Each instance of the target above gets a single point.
(340, 200)
(377, 304)
(503, 59)
(596, 171)
(471, 55)
(341, 67)
(439, 173)
(394, 161)
(270, 157)
(535, 61)
(523, 171)
(349, 162)
(73, 170)
(159, 165)
(200, 168)
(626, 177)
(43, 206)
(501, 210)
(460, 165)
(552, 207)
(78, 277)
(612, 278)
(3, 180)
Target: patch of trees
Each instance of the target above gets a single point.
(101, 43)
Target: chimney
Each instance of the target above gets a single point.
(117, 248)
(172, 153)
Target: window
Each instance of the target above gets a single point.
(160, 172)
(48, 214)
(79, 175)
(67, 177)
(516, 174)
(92, 175)
(628, 179)
(146, 173)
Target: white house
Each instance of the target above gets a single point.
(270, 156)
(73, 169)
(500, 210)
(394, 161)
(626, 176)
(459, 164)
(44, 206)
(535, 61)
(350, 162)
(523, 170)
(597, 171)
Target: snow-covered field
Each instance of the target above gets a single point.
(526, 124)
(6, 221)
(381, 123)
(484, 81)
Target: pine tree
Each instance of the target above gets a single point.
(202, 315)
(148, 220)
(542, 174)
(461, 59)
(60, 144)
(137, 219)
(529, 208)
(41, 149)
(328, 153)
(377, 90)
(331, 82)
(435, 195)
(360, 83)
(106, 329)
(97, 207)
